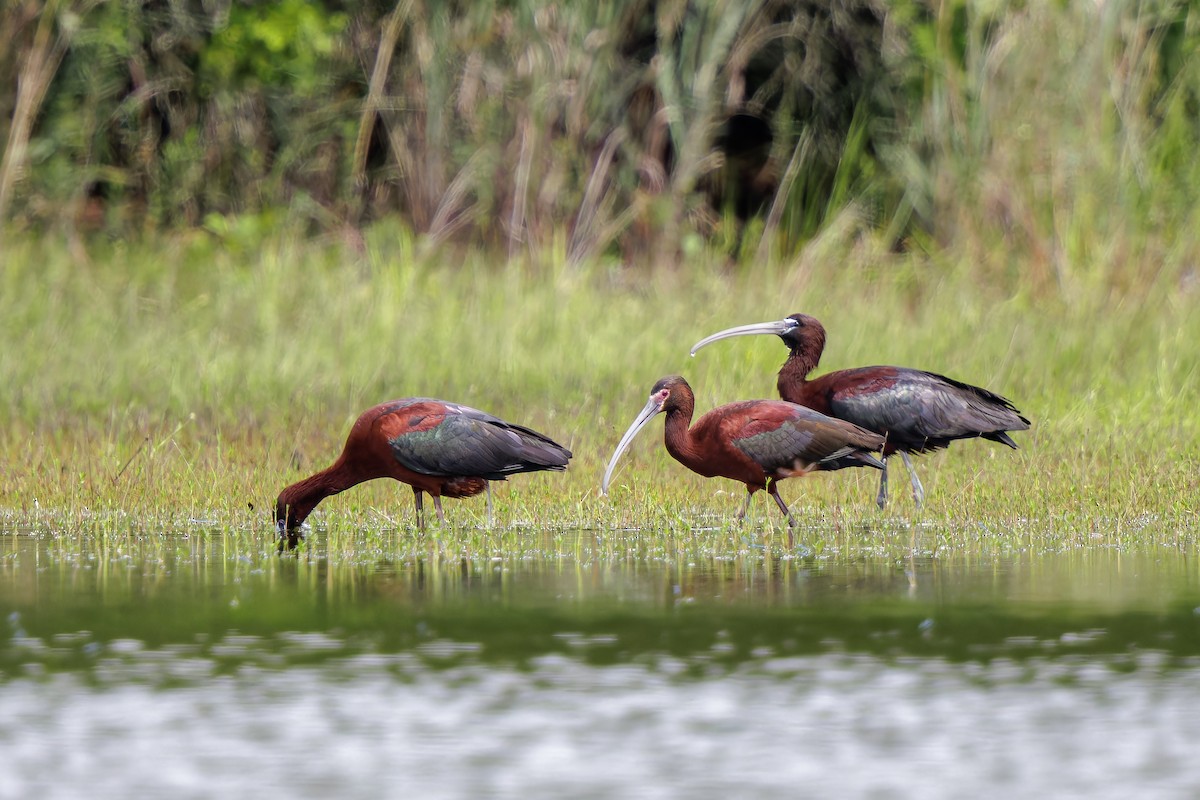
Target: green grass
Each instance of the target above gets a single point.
(176, 384)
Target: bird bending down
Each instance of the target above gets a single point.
(443, 449)
(916, 411)
(757, 442)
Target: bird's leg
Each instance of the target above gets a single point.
(881, 499)
(437, 504)
(773, 488)
(741, 517)
(488, 484)
(918, 489)
(420, 509)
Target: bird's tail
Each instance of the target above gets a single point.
(849, 457)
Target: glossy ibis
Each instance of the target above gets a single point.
(445, 449)
(916, 410)
(757, 442)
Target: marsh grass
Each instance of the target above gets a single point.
(170, 386)
(178, 386)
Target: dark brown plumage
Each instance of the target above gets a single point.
(917, 411)
(439, 448)
(756, 442)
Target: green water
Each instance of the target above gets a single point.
(186, 663)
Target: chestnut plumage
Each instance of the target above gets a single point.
(756, 442)
(916, 411)
(439, 448)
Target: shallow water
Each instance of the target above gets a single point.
(194, 667)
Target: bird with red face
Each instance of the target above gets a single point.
(756, 442)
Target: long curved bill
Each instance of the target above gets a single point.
(648, 413)
(777, 328)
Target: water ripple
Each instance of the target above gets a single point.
(377, 724)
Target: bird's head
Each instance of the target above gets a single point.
(669, 394)
(804, 333)
(288, 516)
(288, 524)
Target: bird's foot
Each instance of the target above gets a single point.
(802, 551)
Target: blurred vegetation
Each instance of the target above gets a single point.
(193, 382)
(1051, 144)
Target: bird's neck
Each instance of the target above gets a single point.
(677, 436)
(796, 369)
(298, 500)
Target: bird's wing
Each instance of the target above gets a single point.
(777, 435)
(913, 406)
(463, 441)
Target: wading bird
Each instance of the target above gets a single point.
(916, 411)
(757, 442)
(444, 449)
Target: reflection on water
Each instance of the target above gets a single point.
(197, 667)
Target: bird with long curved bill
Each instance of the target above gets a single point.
(756, 442)
(916, 411)
(438, 448)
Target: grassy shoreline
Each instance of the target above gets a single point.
(183, 380)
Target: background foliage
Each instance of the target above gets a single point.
(1050, 141)
(228, 227)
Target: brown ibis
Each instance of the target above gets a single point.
(440, 448)
(916, 411)
(757, 442)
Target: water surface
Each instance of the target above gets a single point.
(203, 666)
